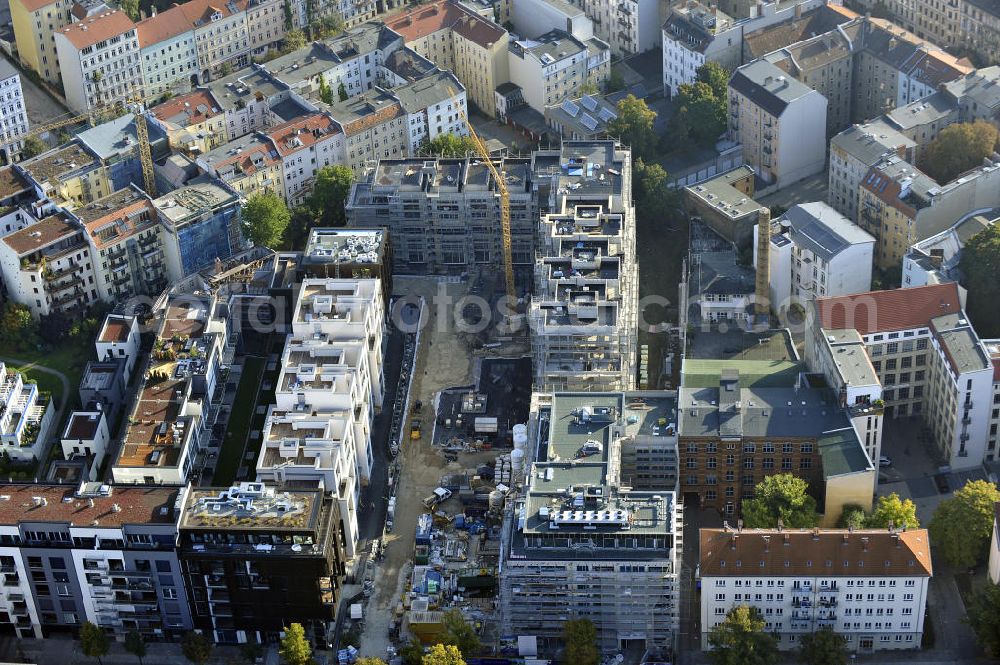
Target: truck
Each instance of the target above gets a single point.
(440, 494)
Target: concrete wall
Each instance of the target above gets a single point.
(853, 488)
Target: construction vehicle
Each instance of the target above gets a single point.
(415, 429)
(440, 495)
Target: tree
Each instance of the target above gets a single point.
(740, 639)
(369, 660)
(412, 653)
(895, 511)
(342, 92)
(460, 633)
(824, 647)
(131, 8)
(16, 325)
(225, 69)
(265, 217)
(293, 41)
(330, 192)
(580, 643)
(94, 642)
(196, 648)
(852, 516)
(962, 525)
(614, 83)
(135, 645)
(325, 91)
(700, 112)
(443, 655)
(650, 185)
(287, 9)
(295, 648)
(634, 125)
(450, 145)
(717, 78)
(33, 146)
(983, 616)
(780, 497)
(588, 88)
(957, 149)
(979, 263)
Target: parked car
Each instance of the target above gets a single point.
(884, 462)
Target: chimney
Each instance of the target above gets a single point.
(739, 524)
(798, 10)
(864, 543)
(732, 541)
(762, 301)
(90, 503)
(767, 543)
(781, 525)
(815, 534)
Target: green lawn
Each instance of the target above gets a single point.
(241, 415)
(69, 358)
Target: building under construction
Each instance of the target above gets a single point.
(584, 309)
(579, 541)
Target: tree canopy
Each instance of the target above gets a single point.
(634, 125)
(852, 516)
(450, 145)
(441, 654)
(824, 647)
(135, 645)
(295, 648)
(702, 106)
(131, 8)
(895, 511)
(980, 265)
(579, 638)
(196, 648)
(16, 325)
(983, 616)
(958, 148)
(33, 146)
(94, 642)
(369, 660)
(962, 525)
(330, 192)
(460, 633)
(740, 639)
(293, 41)
(265, 218)
(781, 496)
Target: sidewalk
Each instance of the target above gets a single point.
(65, 651)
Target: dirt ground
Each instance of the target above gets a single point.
(443, 360)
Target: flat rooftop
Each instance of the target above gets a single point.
(353, 246)
(250, 506)
(851, 357)
(115, 329)
(113, 506)
(58, 162)
(720, 194)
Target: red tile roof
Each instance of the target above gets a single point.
(199, 12)
(815, 553)
(125, 505)
(384, 114)
(880, 311)
(34, 5)
(302, 132)
(168, 23)
(97, 28)
(188, 109)
(428, 19)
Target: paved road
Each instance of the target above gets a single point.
(63, 402)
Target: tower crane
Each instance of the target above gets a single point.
(508, 259)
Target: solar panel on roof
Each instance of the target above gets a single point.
(588, 121)
(588, 102)
(607, 114)
(570, 108)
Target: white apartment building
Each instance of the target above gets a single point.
(434, 105)
(697, 33)
(48, 266)
(579, 543)
(536, 17)
(221, 34)
(168, 54)
(815, 251)
(13, 115)
(993, 434)
(780, 122)
(993, 568)
(869, 586)
(25, 419)
(553, 66)
(245, 98)
(99, 58)
(306, 145)
(86, 435)
(928, 359)
(119, 338)
(330, 386)
(628, 27)
(584, 311)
